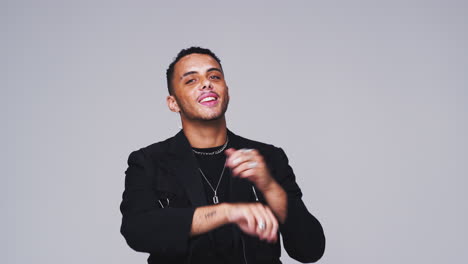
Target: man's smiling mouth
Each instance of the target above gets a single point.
(208, 99)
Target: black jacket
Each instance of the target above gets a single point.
(163, 187)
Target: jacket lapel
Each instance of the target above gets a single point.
(185, 167)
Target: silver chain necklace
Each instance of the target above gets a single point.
(214, 152)
(215, 197)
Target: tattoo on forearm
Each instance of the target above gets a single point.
(210, 214)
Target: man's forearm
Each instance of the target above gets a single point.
(207, 218)
(277, 200)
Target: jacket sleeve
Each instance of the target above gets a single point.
(145, 226)
(302, 233)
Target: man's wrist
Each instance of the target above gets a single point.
(225, 209)
(276, 198)
(271, 187)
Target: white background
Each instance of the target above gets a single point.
(370, 98)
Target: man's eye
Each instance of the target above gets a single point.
(215, 77)
(190, 81)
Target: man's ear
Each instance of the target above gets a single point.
(172, 104)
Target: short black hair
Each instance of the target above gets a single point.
(183, 53)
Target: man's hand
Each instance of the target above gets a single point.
(254, 219)
(249, 164)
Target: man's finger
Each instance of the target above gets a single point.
(250, 220)
(229, 151)
(271, 223)
(244, 166)
(237, 157)
(274, 230)
(265, 230)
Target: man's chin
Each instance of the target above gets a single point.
(205, 116)
(213, 117)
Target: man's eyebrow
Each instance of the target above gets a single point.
(188, 73)
(195, 72)
(214, 69)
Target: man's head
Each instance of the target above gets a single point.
(180, 55)
(197, 89)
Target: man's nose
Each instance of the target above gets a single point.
(206, 84)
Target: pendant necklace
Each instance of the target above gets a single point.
(215, 197)
(215, 191)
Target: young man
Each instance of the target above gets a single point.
(207, 195)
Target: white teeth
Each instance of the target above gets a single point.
(207, 99)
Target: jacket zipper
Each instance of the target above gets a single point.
(255, 193)
(243, 249)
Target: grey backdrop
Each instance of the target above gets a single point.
(369, 97)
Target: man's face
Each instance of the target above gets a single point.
(200, 91)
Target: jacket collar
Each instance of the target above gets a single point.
(185, 166)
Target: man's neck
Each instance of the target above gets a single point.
(206, 134)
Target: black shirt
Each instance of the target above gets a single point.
(225, 248)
